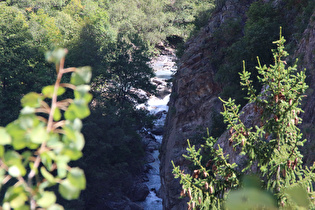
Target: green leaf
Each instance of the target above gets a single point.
(72, 154)
(55, 207)
(76, 124)
(69, 132)
(82, 92)
(47, 158)
(2, 175)
(19, 144)
(48, 91)
(87, 97)
(17, 170)
(14, 171)
(54, 143)
(50, 178)
(68, 191)
(32, 100)
(38, 134)
(18, 201)
(79, 142)
(27, 111)
(81, 76)
(47, 199)
(12, 158)
(70, 114)
(76, 178)
(298, 195)
(24, 207)
(27, 122)
(78, 109)
(5, 138)
(18, 135)
(249, 198)
(56, 55)
(26, 156)
(1, 151)
(62, 164)
(6, 206)
(57, 114)
(83, 89)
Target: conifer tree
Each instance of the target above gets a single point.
(271, 147)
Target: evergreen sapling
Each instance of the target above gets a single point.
(271, 147)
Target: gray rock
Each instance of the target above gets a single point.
(149, 158)
(160, 114)
(139, 192)
(158, 130)
(133, 206)
(153, 145)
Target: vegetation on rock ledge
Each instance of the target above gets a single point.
(269, 150)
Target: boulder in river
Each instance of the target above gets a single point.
(140, 192)
(158, 130)
(149, 158)
(153, 145)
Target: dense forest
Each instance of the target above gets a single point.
(115, 38)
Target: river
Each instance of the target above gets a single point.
(164, 67)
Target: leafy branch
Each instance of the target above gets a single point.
(36, 149)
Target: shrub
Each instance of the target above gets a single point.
(271, 147)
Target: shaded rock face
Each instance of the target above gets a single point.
(193, 101)
(195, 93)
(306, 52)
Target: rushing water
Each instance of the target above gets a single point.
(164, 67)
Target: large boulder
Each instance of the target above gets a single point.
(140, 192)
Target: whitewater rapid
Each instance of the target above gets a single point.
(164, 67)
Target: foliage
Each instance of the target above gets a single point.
(256, 40)
(115, 152)
(29, 28)
(154, 20)
(22, 67)
(189, 15)
(45, 30)
(271, 148)
(128, 71)
(47, 5)
(36, 149)
(234, 42)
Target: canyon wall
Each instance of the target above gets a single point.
(194, 101)
(306, 54)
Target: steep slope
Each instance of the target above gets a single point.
(194, 98)
(194, 101)
(306, 52)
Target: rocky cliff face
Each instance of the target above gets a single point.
(194, 100)
(306, 53)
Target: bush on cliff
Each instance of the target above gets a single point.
(270, 149)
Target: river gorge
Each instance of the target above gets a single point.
(164, 67)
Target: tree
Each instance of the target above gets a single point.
(255, 39)
(128, 71)
(271, 147)
(46, 5)
(18, 61)
(44, 30)
(91, 46)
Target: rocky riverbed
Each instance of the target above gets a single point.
(164, 67)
